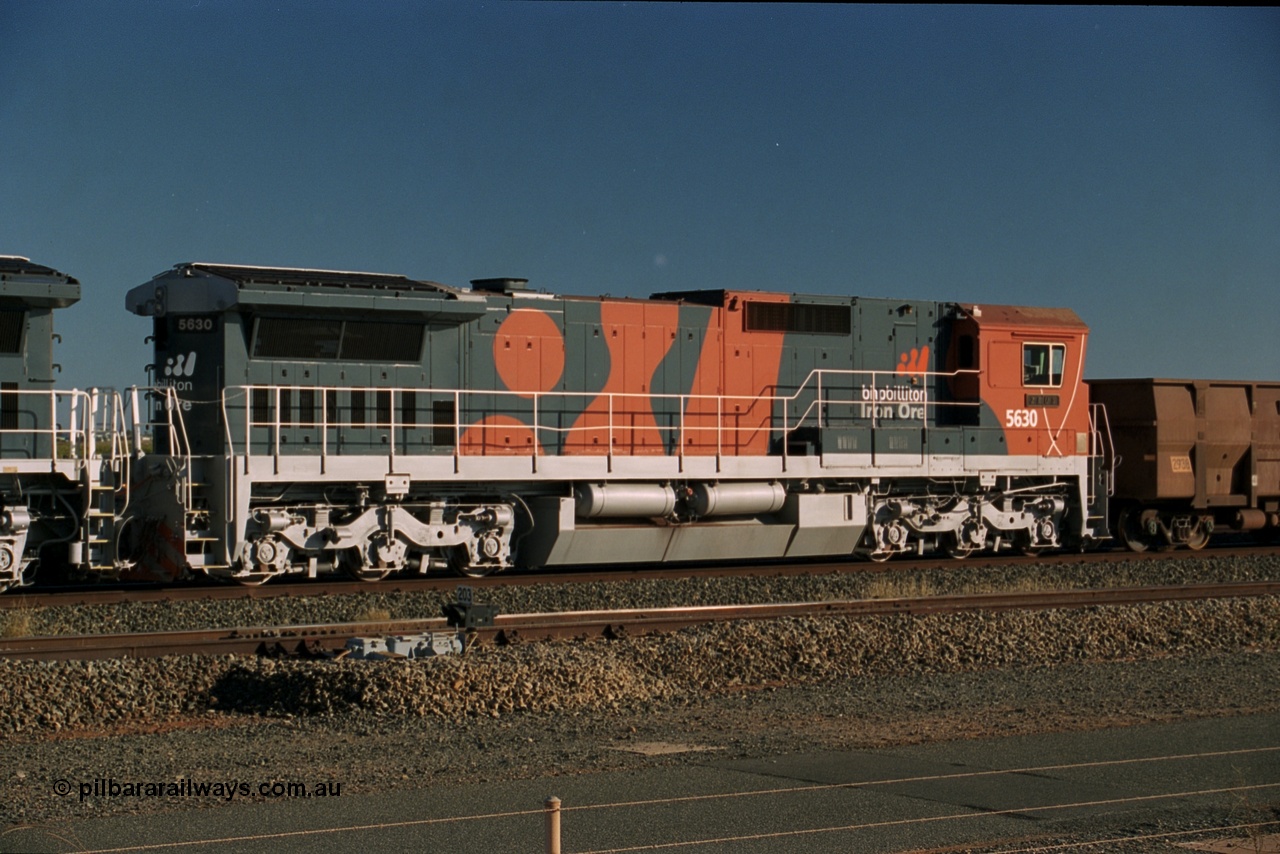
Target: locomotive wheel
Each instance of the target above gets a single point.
(369, 574)
(956, 549)
(460, 562)
(353, 563)
(472, 570)
(253, 579)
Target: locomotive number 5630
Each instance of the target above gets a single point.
(195, 324)
(1021, 418)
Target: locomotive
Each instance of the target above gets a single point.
(304, 422)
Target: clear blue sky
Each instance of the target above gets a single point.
(1122, 162)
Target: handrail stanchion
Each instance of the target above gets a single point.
(680, 439)
(719, 433)
(137, 420)
(248, 426)
(324, 429)
(457, 432)
(786, 422)
(71, 426)
(275, 428)
(820, 424)
(391, 462)
(91, 418)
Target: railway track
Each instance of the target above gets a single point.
(113, 594)
(330, 639)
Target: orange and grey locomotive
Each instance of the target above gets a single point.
(310, 421)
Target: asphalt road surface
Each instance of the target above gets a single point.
(1026, 793)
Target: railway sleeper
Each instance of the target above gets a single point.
(472, 539)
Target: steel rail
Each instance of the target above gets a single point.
(218, 591)
(329, 638)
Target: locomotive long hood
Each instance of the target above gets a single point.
(201, 288)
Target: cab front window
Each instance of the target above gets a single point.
(1042, 364)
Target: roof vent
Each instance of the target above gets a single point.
(500, 286)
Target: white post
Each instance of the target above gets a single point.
(552, 805)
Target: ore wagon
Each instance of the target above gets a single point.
(1193, 456)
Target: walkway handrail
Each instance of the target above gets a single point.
(617, 412)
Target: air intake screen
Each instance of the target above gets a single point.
(349, 341)
(381, 342)
(798, 317)
(292, 338)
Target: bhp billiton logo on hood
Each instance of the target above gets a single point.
(914, 363)
(180, 366)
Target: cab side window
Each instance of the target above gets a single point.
(1042, 364)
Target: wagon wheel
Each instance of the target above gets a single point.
(1129, 527)
(354, 563)
(1199, 538)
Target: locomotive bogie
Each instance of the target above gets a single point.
(377, 540)
(969, 518)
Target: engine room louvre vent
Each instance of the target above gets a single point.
(798, 317)
(11, 321)
(343, 340)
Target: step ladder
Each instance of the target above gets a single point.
(200, 543)
(104, 483)
(102, 518)
(1102, 473)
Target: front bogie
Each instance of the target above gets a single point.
(371, 541)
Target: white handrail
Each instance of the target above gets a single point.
(817, 410)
